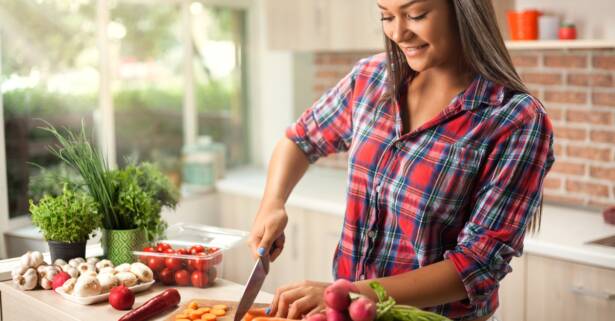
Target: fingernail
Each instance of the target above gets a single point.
(261, 251)
(268, 310)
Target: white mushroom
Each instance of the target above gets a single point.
(142, 271)
(108, 269)
(59, 262)
(69, 285)
(84, 267)
(76, 261)
(32, 259)
(92, 260)
(71, 270)
(46, 274)
(122, 268)
(127, 279)
(107, 281)
(26, 281)
(87, 285)
(90, 273)
(103, 264)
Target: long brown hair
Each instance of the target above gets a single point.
(483, 51)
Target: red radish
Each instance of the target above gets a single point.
(121, 298)
(362, 309)
(336, 297)
(317, 317)
(345, 284)
(334, 315)
(59, 279)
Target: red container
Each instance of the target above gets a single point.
(523, 25)
(567, 31)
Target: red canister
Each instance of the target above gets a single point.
(523, 25)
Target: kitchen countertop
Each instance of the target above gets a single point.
(564, 231)
(47, 305)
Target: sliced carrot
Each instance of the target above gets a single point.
(220, 307)
(205, 309)
(193, 305)
(219, 313)
(270, 319)
(182, 320)
(196, 314)
(209, 317)
(181, 316)
(253, 313)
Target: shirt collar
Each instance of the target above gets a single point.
(481, 93)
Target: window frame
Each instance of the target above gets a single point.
(105, 126)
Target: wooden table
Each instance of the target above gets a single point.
(45, 305)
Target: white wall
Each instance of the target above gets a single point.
(595, 19)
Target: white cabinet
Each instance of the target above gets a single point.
(324, 234)
(512, 292)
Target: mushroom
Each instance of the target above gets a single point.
(84, 267)
(107, 281)
(108, 269)
(32, 259)
(27, 280)
(122, 268)
(142, 271)
(103, 264)
(127, 279)
(69, 285)
(59, 262)
(92, 260)
(46, 274)
(76, 261)
(71, 270)
(87, 285)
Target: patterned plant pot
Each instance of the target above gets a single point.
(119, 244)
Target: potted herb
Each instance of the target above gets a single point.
(66, 221)
(129, 199)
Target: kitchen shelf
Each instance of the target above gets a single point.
(560, 44)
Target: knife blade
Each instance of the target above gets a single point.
(253, 286)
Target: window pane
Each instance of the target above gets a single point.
(49, 71)
(146, 57)
(220, 79)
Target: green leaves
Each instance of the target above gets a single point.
(69, 217)
(388, 310)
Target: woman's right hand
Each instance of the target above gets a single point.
(268, 231)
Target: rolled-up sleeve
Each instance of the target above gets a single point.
(508, 194)
(326, 127)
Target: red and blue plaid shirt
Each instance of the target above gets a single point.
(461, 187)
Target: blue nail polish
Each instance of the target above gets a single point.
(261, 251)
(268, 309)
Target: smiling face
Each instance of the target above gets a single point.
(425, 30)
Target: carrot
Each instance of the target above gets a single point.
(181, 316)
(253, 313)
(209, 317)
(220, 307)
(193, 305)
(205, 309)
(271, 319)
(218, 313)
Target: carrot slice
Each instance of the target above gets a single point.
(196, 314)
(271, 319)
(219, 313)
(209, 317)
(253, 313)
(193, 305)
(181, 316)
(220, 307)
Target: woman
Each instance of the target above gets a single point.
(447, 156)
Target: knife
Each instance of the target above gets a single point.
(253, 286)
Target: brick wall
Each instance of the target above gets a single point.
(577, 88)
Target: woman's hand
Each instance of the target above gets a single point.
(268, 231)
(299, 299)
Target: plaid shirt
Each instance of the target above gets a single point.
(461, 187)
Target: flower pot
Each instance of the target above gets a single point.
(66, 251)
(119, 244)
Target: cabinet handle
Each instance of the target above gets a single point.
(605, 295)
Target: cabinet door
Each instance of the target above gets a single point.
(323, 234)
(355, 25)
(566, 291)
(297, 24)
(512, 292)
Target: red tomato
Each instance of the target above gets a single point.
(169, 251)
(197, 249)
(144, 258)
(201, 263)
(182, 277)
(161, 247)
(173, 263)
(149, 249)
(212, 273)
(167, 277)
(199, 279)
(155, 263)
(182, 251)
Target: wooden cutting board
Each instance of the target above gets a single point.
(230, 313)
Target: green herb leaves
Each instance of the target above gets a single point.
(388, 310)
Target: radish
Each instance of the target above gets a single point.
(317, 317)
(335, 315)
(59, 279)
(336, 297)
(362, 309)
(345, 284)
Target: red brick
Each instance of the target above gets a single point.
(589, 117)
(582, 187)
(602, 172)
(558, 149)
(327, 74)
(593, 80)
(555, 113)
(552, 183)
(591, 153)
(541, 78)
(520, 60)
(603, 99)
(566, 97)
(603, 136)
(563, 199)
(604, 62)
(570, 133)
(568, 168)
(565, 61)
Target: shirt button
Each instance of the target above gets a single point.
(371, 234)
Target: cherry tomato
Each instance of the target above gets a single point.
(160, 247)
(182, 277)
(212, 273)
(199, 279)
(182, 251)
(169, 251)
(149, 249)
(201, 263)
(197, 249)
(173, 263)
(167, 277)
(155, 263)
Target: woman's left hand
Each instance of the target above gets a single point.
(296, 300)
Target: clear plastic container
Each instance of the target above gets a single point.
(190, 255)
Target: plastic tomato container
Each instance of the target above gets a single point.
(190, 255)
